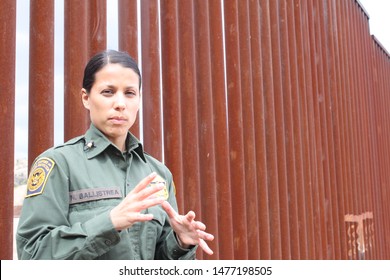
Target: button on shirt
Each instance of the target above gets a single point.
(80, 182)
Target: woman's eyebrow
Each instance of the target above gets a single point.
(131, 87)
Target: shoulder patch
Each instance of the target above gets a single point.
(38, 176)
(164, 192)
(174, 187)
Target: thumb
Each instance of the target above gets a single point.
(190, 216)
(169, 209)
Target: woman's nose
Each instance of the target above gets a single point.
(120, 103)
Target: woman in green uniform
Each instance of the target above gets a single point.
(99, 196)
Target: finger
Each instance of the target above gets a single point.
(200, 225)
(138, 217)
(150, 192)
(144, 182)
(205, 235)
(144, 217)
(190, 216)
(205, 247)
(147, 203)
(169, 209)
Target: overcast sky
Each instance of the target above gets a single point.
(378, 10)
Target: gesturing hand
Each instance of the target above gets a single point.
(188, 231)
(128, 212)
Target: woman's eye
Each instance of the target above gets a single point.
(107, 92)
(131, 93)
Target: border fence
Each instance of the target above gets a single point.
(273, 116)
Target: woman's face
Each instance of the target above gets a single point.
(113, 102)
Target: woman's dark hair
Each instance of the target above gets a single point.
(103, 58)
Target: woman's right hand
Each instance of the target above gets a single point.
(128, 212)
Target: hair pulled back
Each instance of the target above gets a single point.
(98, 61)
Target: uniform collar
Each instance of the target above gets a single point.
(96, 142)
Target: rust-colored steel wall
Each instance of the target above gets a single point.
(7, 123)
(41, 78)
(128, 37)
(76, 118)
(271, 114)
(151, 110)
(85, 35)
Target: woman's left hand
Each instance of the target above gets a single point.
(188, 231)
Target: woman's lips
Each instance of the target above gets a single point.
(118, 120)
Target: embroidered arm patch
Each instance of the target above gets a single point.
(38, 176)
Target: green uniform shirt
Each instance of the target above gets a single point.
(71, 190)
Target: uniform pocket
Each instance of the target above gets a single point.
(153, 231)
(158, 213)
(82, 212)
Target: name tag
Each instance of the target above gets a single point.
(94, 194)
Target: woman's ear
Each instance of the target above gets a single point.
(85, 98)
